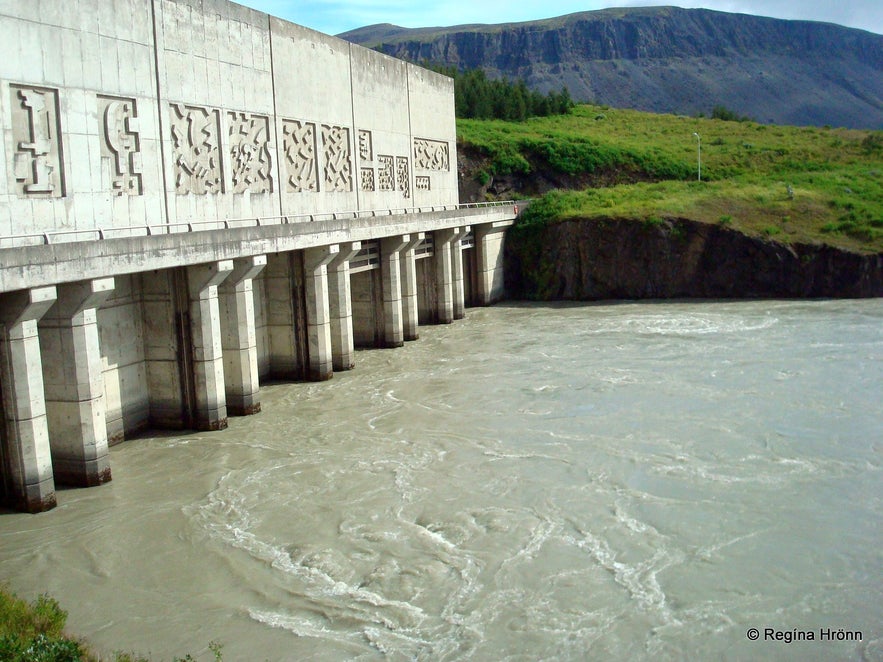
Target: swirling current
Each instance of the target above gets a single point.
(535, 482)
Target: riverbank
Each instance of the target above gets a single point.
(637, 205)
(615, 258)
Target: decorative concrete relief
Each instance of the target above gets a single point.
(121, 146)
(385, 175)
(421, 183)
(249, 147)
(366, 151)
(431, 155)
(366, 179)
(366, 157)
(403, 176)
(36, 136)
(336, 153)
(197, 150)
(299, 150)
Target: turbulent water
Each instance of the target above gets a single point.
(567, 482)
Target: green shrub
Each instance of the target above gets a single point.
(727, 115)
(41, 648)
(873, 142)
(33, 632)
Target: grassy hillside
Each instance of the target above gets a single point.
(793, 184)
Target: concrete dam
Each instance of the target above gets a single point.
(197, 197)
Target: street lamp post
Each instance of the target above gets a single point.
(699, 154)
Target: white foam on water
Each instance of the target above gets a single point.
(638, 579)
(679, 325)
(748, 469)
(225, 516)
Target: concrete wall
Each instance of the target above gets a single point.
(126, 113)
(365, 293)
(434, 128)
(81, 143)
(216, 108)
(259, 291)
(121, 337)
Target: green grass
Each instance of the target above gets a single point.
(793, 184)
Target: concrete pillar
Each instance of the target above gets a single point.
(390, 270)
(489, 239)
(457, 287)
(74, 384)
(409, 287)
(26, 456)
(210, 406)
(340, 306)
(319, 353)
(443, 275)
(239, 338)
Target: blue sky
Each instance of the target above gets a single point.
(336, 16)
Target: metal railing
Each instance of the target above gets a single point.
(92, 234)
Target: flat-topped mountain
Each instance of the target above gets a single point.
(665, 59)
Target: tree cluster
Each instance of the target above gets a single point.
(727, 115)
(478, 97)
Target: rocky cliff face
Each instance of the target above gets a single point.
(623, 259)
(664, 59)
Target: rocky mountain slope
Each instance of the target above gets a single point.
(665, 59)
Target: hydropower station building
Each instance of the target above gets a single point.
(196, 197)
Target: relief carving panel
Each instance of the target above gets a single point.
(422, 183)
(367, 179)
(385, 175)
(403, 178)
(197, 150)
(336, 153)
(366, 156)
(249, 150)
(431, 155)
(299, 151)
(36, 136)
(366, 151)
(121, 144)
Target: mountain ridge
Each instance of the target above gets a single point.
(667, 59)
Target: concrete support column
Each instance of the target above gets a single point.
(210, 410)
(340, 306)
(409, 287)
(489, 238)
(319, 353)
(458, 289)
(74, 384)
(443, 274)
(239, 338)
(390, 270)
(24, 451)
